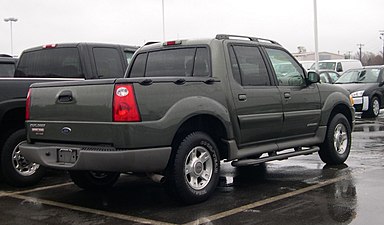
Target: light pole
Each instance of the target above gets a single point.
(316, 36)
(162, 9)
(382, 38)
(10, 20)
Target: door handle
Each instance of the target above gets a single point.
(242, 97)
(287, 95)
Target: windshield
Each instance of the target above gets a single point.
(359, 76)
(325, 66)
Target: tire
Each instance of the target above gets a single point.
(94, 180)
(15, 169)
(193, 171)
(337, 144)
(374, 108)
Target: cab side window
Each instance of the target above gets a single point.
(248, 66)
(108, 63)
(287, 70)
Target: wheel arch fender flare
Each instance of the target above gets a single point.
(197, 106)
(335, 103)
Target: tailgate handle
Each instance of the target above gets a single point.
(65, 96)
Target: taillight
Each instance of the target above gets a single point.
(28, 105)
(124, 104)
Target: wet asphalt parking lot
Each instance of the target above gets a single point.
(300, 190)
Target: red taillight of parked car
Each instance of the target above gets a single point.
(28, 105)
(124, 104)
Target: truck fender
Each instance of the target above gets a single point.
(334, 100)
(189, 107)
(8, 105)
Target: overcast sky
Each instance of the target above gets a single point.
(342, 23)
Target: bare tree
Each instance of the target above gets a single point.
(369, 58)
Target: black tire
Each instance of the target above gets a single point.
(94, 180)
(200, 152)
(26, 173)
(337, 144)
(374, 108)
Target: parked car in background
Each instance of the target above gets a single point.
(7, 65)
(328, 76)
(338, 65)
(366, 88)
(307, 64)
(55, 62)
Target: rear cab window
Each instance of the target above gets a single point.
(175, 62)
(51, 63)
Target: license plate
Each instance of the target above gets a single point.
(67, 155)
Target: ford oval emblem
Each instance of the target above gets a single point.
(66, 130)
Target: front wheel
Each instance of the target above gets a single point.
(374, 108)
(94, 180)
(337, 144)
(17, 170)
(193, 173)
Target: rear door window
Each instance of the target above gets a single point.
(178, 62)
(50, 63)
(248, 66)
(108, 63)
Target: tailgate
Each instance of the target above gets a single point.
(72, 101)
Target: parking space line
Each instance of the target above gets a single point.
(5, 194)
(92, 211)
(266, 201)
(18, 195)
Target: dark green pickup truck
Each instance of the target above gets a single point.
(183, 107)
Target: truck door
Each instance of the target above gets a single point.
(301, 102)
(257, 102)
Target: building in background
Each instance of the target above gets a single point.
(303, 55)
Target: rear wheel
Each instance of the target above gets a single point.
(94, 180)
(374, 108)
(337, 144)
(193, 173)
(17, 170)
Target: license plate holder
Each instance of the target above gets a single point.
(66, 155)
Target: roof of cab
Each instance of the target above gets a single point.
(76, 44)
(219, 37)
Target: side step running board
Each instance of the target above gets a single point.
(248, 162)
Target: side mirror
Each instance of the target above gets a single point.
(313, 77)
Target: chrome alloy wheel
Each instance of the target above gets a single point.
(375, 107)
(21, 164)
(340, 138)
(198, 168)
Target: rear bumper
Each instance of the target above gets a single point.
(79, 157)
